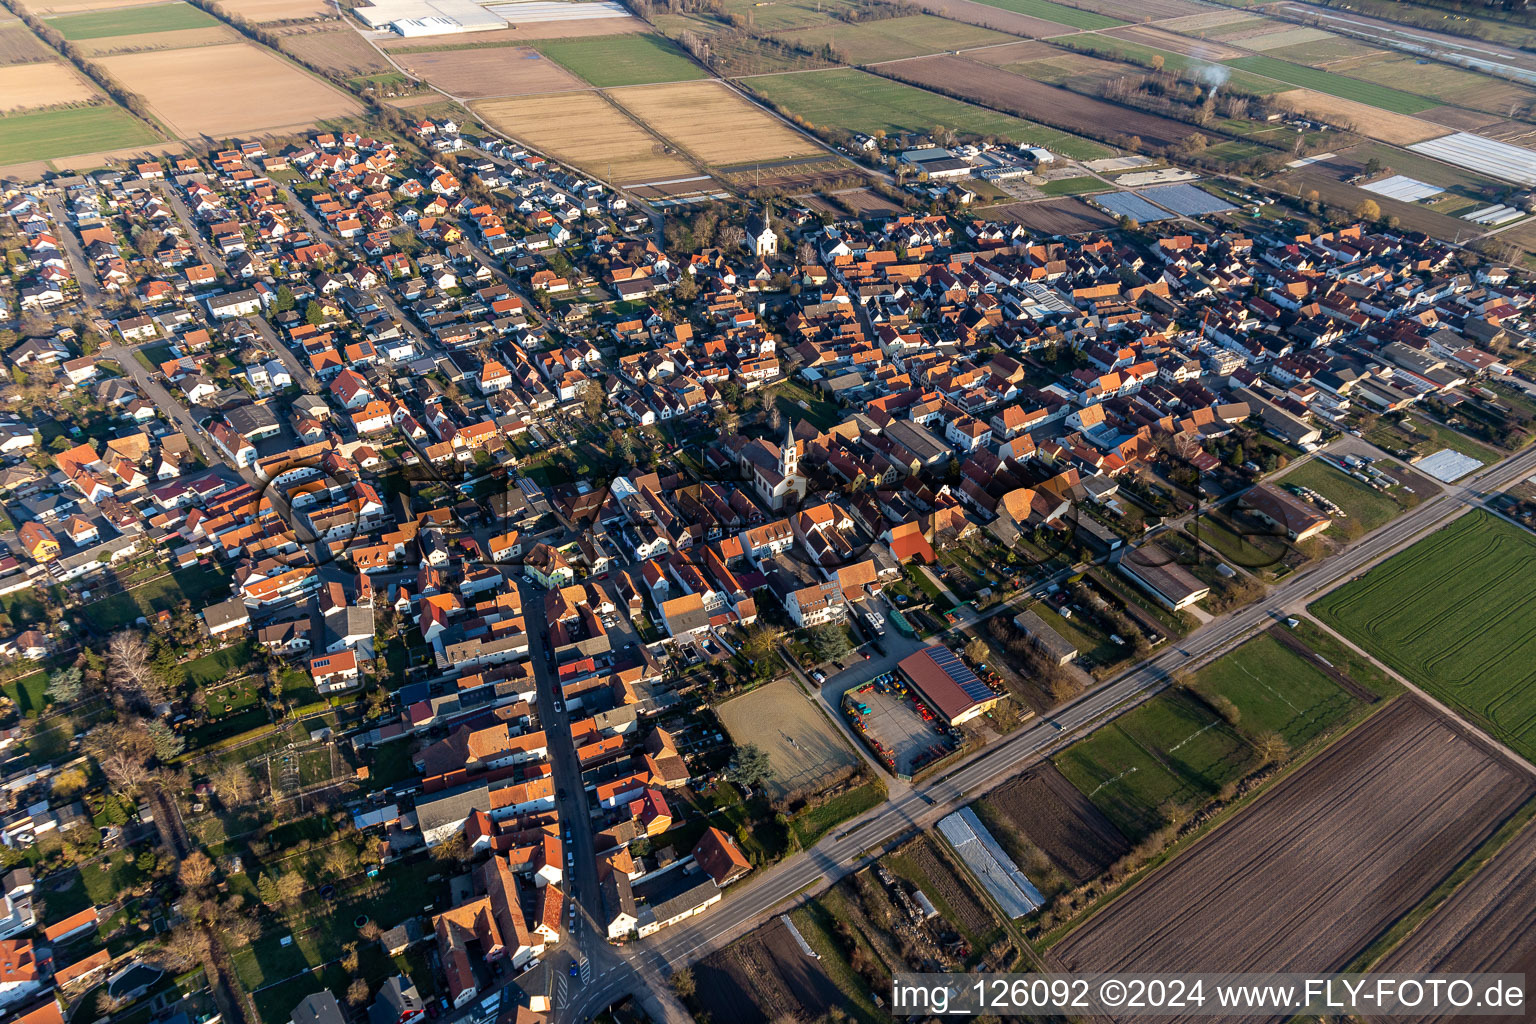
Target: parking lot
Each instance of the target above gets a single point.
(885, 713)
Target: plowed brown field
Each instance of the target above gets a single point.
(1318, 866)
(1061, 821)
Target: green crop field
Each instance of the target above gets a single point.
(1170, 750)
(894, 38)
(132, 21)
(1074, 186)
(1059, 13)
(1455, 613)
(52, 133)
(1334, 85)
(1178, 62)
(858, 102)
(613, 61)
(1275, 690)
(1361, 502)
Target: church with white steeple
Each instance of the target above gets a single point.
(774, 471)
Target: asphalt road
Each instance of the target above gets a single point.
(918, 807)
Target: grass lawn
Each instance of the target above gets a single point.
(858, 102)
(1334, 85)
(1453, 613)
(798, 402)
(895, 38)
(814, 822)
(632, 59)
(28, 693)
(1372, 508)
(199, 585)
(1166, 751)
(1074, 186)
(46, 134)
(1275, 690)
(1059, 13)
(1353, 664)
(210, 668)
(1250, 551)
(131, 21)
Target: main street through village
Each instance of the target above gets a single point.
(638, 968)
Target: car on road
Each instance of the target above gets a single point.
(575, 969)
(559, 708)
(819, 676)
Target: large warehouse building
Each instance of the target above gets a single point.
(947, 684)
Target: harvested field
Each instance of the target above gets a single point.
(147, 41)
(714, 123)
(1027, 98)
(762, 977)
(1076, 71)
(893, 38)
(973, 13)
(585, 130)
(860, 102)
(45, 8)
(1453, 613)
(34, 86)
(502, 71)
(1155, 10)
(1211, 23)
(1061, 821)
(19, 46)
(1288, 35)
(956, 895)
(1399, 129)
(1321, 862)
(1147, 35)
(130, 21)
(805, 749)
(1073, 17)
(264, 12)
(865, 203)
(1052, 217)
(796, 176)
(1014, 53)
(216, 90)
(1487, 926)
(339, 49)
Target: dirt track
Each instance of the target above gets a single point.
(1321, 863)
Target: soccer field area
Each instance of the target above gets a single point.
(1456, 614)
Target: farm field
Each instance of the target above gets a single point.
(860, 102)
(1146, 9)
(894, 38)
(1045, 10)
(973, 12)
(1143, 42)
(338, 48)
(1399, 129)
(33, 86)
(1320, 863)
(585, 130)
(1170, 750)
(1453, 614)
(500, 71)
(953, 894)
(528, 32)
(1056, 817)
(1276, 690)
(622, 60)
(713, 123)
(799, 741)
(129, 21)
(1488, 925)
(19, 46)
(1380, 96)
(763, 976)
(175, 40)
(1439, 81)
(47, 134)
(215, 90)
(1054, 216)
(1364, 505)
(1014, 93)
(264, 12)
(1074, 70)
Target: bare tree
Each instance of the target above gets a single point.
(357, 992)
(183, 949)
(290, 887)
(126, 768)
(129, 667)
(233, 784)
(196, 872)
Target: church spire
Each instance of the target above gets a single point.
(789, 454)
